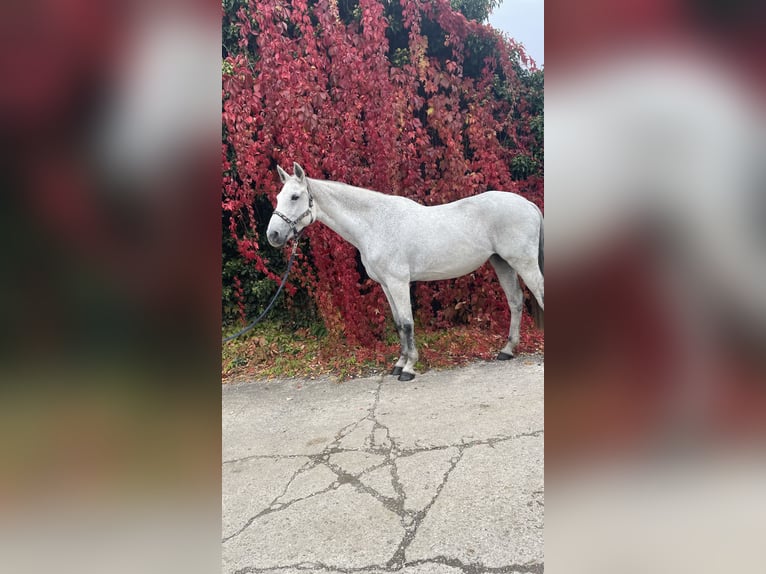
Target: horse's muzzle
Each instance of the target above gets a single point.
(275, 238)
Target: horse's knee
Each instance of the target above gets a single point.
(408, 336)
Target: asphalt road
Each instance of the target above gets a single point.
(442, 474)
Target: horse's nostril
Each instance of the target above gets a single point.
(274, 235)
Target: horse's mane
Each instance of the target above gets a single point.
(340, 186)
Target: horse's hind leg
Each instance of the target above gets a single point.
(509, 281)
(533, 279)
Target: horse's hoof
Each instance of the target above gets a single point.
(396, 371)
(406, 376)
(503, 356)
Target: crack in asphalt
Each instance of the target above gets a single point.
(283, 456)
(411, 520)
(467, 568)
(398, 559)
(478, 568)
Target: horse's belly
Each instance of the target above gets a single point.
(446, 266)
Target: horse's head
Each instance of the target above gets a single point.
(295, 207)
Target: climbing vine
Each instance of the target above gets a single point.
(408, 98)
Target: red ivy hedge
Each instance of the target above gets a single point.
(322, 91)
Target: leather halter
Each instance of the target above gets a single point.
(293, 222)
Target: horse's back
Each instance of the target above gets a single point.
(500, 210)
(452, 239)
(503, 199)
(492, 214)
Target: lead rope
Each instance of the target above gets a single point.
(273, 299)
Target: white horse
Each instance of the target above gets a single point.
(402, 241)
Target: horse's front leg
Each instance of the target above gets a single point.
(399, 366)
(398, 294)
(402, 361)
(397, 370)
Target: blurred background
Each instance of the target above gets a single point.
(109, 351)
(110, 357)
(656, 220)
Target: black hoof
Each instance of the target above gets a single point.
(406, 376)
(396, 371)
(503, 356)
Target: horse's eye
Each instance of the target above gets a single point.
(295, 197)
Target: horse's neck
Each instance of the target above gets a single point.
(347, 210)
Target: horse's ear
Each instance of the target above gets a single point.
(282, 174)
(298, 171)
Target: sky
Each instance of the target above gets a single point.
(523, 21)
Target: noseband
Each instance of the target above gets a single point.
(293, 222)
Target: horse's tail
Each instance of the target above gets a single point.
(538, 315)
(540, 254)
(537, 312)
